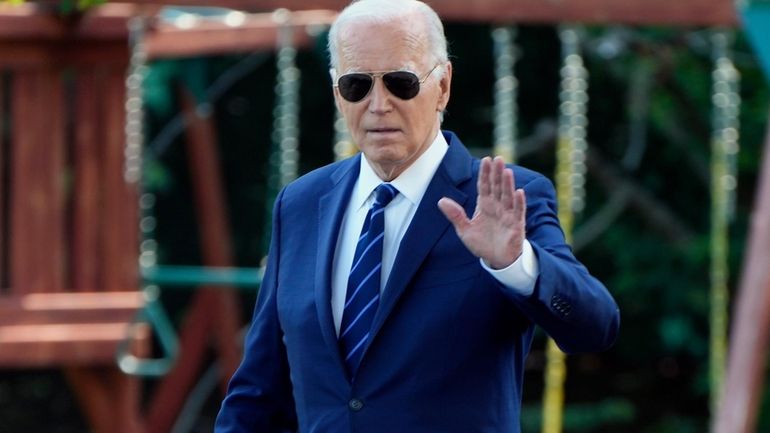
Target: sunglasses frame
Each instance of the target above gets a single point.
(373, 76)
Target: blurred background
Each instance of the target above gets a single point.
(142, 147)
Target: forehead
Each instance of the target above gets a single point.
(383, 46)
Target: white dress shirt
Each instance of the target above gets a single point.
(520, 276)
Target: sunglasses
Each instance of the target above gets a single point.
(355, 86)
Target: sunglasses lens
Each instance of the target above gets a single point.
(354, 87)
(402, 84)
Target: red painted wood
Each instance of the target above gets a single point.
(110, 399)
(38, 22)
(70, 308)
(634, 12)
(119, 214)
(4, 146)
(37, 183)
(28, 55)
(167, 400)
(216, 238)
(258, 32)
(54, 329)
(86, 197)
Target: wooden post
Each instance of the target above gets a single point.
(216, 238)
(737, 411)
(37, 187)
(86, 256)
(108, 397)
(3, 185)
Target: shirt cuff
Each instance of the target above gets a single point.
(521, 275)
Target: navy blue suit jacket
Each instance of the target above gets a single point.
(449, 342)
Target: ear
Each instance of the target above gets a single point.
(335, 90)
(337, 97)
(444, 87)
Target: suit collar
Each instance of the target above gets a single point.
(331, 208)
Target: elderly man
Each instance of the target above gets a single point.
(384, 307)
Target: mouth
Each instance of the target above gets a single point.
(383, 130)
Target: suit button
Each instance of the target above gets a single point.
(355, 404)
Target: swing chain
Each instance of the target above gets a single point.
(571, 153)
(725, 100)
(506, 91)
(137, 69)
(286, 113)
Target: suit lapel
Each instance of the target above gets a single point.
(427, 226)
(331, 208)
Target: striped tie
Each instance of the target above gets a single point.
(363, 295)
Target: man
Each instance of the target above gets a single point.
(384, 308)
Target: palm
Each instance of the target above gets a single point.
(497, 228)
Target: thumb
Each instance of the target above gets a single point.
(454, 213)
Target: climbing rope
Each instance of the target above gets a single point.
(570, 191)
(724, 149)
(506, 90)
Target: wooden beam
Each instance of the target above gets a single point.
(250, 33)
(631, 12)
(39, 21)
(742, 395)
(29, 54)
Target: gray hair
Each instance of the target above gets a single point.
(385, 11)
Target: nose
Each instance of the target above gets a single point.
(379, 97)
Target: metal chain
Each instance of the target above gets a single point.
(571, 169)
(506, 91)
(286, 121)
(134, 131)
(570, 192)
(284, 153)
(724, 149)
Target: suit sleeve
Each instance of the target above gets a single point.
(572, 306)
(259, 396)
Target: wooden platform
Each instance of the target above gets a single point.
(68, 329)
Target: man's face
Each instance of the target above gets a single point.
(390, 131)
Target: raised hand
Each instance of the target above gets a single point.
(497, 229)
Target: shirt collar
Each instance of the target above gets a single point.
(412, 183)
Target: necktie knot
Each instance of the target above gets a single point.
(384, 194)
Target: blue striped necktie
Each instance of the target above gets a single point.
(363, 295)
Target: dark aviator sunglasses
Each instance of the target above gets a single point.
(355, 86)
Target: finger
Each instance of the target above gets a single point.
(454, 213)
(508, 192)
(483, 182)
(520, 208)
(495, 177)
